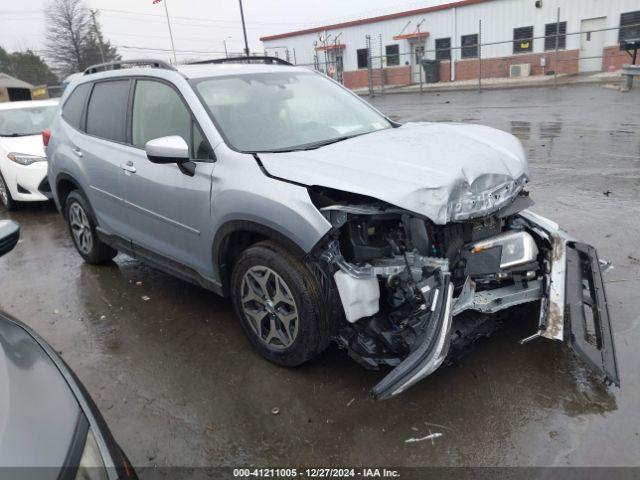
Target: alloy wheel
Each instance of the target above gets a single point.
(4, 194)
(80, 228)
(269, 307)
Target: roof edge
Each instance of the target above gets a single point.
(380, 18)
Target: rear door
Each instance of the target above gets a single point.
(169, 212)
(101, 151)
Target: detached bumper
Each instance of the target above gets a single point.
(573, 308)
(574, 304)
(433, 345)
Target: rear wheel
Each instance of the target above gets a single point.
(5, 195)
(279, 304)
(83, 231)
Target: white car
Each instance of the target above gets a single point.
(23, 164)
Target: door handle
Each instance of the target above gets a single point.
(128, 167)
(77, 151)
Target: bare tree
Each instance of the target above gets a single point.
(73, 41)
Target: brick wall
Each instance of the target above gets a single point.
(445, 71)
(499, 67)
(614, 58)
(395, 76)
(493, 67)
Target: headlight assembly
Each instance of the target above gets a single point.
(518, 248)
(468, 204)
(25, 159)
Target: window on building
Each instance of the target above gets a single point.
(469, 44)
(550, 35)
(443, 48)
(393, 54)
(629, 26)
(523, 39)
(363, 58)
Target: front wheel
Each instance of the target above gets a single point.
(5, 195)
(279, 304)
(83, 231)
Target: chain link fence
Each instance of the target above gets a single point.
(476, 60)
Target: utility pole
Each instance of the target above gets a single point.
(555, 70)
(173, 47)
(98, 36)
(244, 31)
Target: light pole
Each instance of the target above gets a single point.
(244, 30)
(224, 42)
(98, 35)
(173, 47)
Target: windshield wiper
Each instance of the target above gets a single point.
(310, 146)
(323, 143)
(17, 134)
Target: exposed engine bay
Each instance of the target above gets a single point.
(401, 279)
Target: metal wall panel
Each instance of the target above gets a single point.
(499, 18)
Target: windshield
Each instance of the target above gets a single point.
(283, 111)
(18, 122)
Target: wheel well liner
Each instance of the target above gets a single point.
(65, 184)
(235, 236)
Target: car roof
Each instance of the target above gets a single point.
(223, 69)
(192, 71)
(29, 104)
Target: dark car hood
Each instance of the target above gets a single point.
(38, 410)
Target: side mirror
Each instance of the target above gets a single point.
(9, 235)
(172, 149)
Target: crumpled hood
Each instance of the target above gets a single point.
(426, 168)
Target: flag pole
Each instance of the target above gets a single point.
(173, 47)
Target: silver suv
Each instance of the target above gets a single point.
(320, 217)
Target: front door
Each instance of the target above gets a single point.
(169, 212)
(592, 44)
(417, 52)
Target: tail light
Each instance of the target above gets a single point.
(46, 136)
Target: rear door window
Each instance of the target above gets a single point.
(107, 110)
(74, 106)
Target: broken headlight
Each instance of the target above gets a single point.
(469, 203)
(518, 248)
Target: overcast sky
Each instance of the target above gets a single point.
(199, 26)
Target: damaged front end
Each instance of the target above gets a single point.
(401, 279)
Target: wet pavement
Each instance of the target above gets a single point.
(179, 384)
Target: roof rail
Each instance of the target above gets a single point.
(103, 67)
(249, 59)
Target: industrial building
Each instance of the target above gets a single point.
(516, 38)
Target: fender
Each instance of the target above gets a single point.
(245, 232)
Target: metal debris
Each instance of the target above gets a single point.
(431, 437)
(145, 298)
(275, 410)
(350, 402)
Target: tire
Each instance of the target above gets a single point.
(82, 227)
(297, 302)
(5, 196)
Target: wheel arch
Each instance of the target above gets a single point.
(64, 185)
(235, 236)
